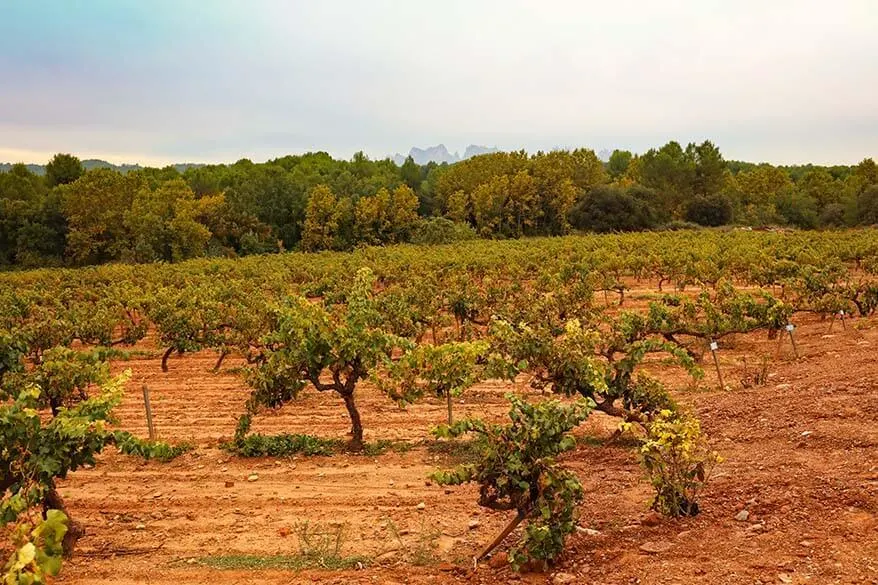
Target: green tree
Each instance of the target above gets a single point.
(798, 208)
(322, 219)
(710, 168)
(819, 185)
(23, 199)
(618, 164)
(670, 171)
(96, 206)
(403, 213)
(410, 172)
(372, 218)
(163, 225)
(63, 169)
(867, 206)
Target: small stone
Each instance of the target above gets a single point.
(252, 477)
(192, 561)
(807, 433)
(563, 579)
(756, 527)
(230, 484)
(655, 547)
(651, 519)
(806, 543)
(445, 543)
(588, 531)
(742, 516)
(473, 524)
(784, 578)
(421, 506)
(499, 560)
(445, 567)
(140, 527)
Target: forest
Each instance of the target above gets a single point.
(313, 202)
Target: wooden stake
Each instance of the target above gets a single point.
(840, 315)
(719, 374)
(790, 328)
(146, 403)
(500, 537)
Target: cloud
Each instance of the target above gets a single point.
(785, 81)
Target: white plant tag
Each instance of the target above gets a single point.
(790, 327)
(714, 346)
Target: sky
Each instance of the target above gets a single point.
(217, 80)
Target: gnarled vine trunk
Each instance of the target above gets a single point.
(165, 357)
(356, 422)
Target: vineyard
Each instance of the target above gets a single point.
(683, 406)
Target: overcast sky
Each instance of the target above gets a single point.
(215, 80)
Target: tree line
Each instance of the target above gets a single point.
(313, 202)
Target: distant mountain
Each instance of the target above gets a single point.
(94, 163)
(475, 150)
(38, 169)
(440, 154)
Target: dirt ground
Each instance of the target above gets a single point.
(801, 456)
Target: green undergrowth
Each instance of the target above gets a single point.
(284, 562)
(284, 445)
(158, 450)
(259, 445)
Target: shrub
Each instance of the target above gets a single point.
(797, 208)
(610, 209)
(867, 206)
(441, 230)
(833, 215)
(517, 471)
(678, 462)
(710, 210)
